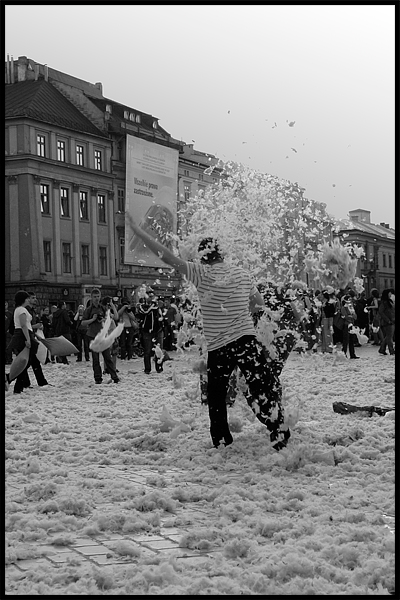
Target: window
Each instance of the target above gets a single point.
(385, 285)
(101, 205)
(186, 189)
(137, 119)
(61, 150)
(64, 202)
(41, 145)
(47, 256)
(126, 114)
(132, 117)
(83, 206)
(85, 265)
(109, 108)
(79, 155)
(201, 177)
(390, 261)
(121, 250)
(97, 160)
(66, 257)
(44, 199)
(121, 200)
(384, 260)
(186, 173)
(155, 125)
(103, 260)
(391, 283)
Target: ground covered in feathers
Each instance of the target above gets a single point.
(316, 518)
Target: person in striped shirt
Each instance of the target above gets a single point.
(227, 297)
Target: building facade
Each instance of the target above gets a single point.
(377, 266)
(66, 186)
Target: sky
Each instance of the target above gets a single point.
(302, 92)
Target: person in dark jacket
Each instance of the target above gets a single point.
(62, 326)
(152, 324)
(93, 318)
(349, 315)
(386, 314)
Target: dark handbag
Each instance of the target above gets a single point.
(338, 321)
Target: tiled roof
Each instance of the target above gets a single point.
(346, 224)
(146, 120)
(41, 101)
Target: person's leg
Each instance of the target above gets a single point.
(345, 342)
(79, 344)
(37, 369)
(265, 389)
(122, 343)
(96, 367)
(382, 347)
(86, 348)
(389, 338)
(220, 364)
(158, 362)
(147, 346)
(352, 345)
(130, 334)
(108, 363)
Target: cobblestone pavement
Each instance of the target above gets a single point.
(99, 549)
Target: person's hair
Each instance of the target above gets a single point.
(209, 251)
(95, 291)
(374, 293)
(106, 300)
(385, 295)
(60, 303)
(20, 297)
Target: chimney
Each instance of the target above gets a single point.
(99, 86)
(46, 73)
(8, 69)
(387, 225)
(12, 69)
(36, 72)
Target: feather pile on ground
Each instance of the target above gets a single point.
(310, 520)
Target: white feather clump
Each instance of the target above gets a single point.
(104, 339)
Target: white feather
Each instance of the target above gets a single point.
(104, 339)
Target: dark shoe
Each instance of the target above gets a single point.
(354, 357)
(18, 391)
(43, 383)
(147, 372)
(78, 360)
(116, 380)
(283, 443)
(98, 381)
(383, 353)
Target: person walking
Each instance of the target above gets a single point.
(93, 319)
(80, 335)
(328, 310)
(62, 326)
(169, 325)
(376, 335)
(151, 325)
(349, 315)
(386, 315)
(225, 293)
(45, 319)
(24, 337)
(131, 327)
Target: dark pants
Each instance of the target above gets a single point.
(8, 351)
(169, 337)
(348, 340)
(18, 344)
(149, 341)
(108, 362)
(262, 378)
(126, 342)
(82, 344)
(388, 332)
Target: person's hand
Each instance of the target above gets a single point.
(28, 343)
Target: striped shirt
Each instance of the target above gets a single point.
(224, 293)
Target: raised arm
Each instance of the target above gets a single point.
(162, 251)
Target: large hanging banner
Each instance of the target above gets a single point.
(151, 197)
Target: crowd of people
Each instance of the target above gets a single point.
(149, 323)
(150, 329)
